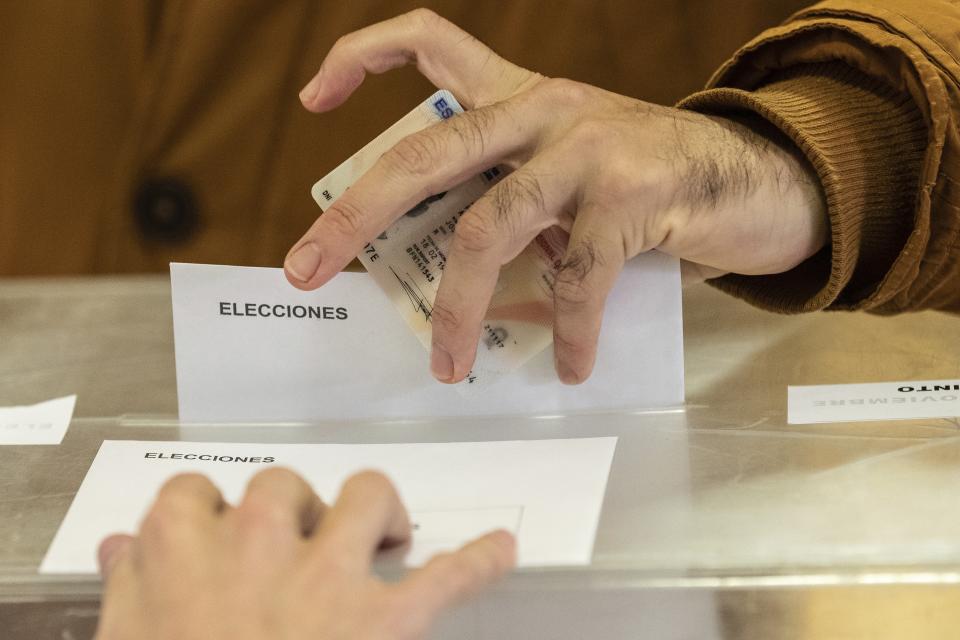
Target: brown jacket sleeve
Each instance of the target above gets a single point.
(869, 91)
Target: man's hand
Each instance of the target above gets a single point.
(621, 176)
(280, 565)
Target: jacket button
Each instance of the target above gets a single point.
(165, 210)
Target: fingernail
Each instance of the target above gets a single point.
(303, 262)
(309, 92)
(441, 364)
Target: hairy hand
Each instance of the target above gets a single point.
(621, 176)
(280, 565)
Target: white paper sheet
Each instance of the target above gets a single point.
(248, 368)
(906, 400)
(547, 492)
(41, 423)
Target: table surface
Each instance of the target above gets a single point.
(721, 494)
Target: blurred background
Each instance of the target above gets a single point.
(138, 132)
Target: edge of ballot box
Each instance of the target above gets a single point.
(651, 475)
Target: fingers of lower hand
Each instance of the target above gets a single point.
(279, 506)
(186, 501)
(186, 512)
(449, 578)
(113, 550)
(367, 514)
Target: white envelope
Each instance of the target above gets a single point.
(244, 355)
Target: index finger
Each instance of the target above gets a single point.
(448, 56)
(450, 578)
(420, 165)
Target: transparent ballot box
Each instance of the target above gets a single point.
(720, 519)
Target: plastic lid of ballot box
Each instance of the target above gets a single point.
(720, 493)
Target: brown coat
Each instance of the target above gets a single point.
(136, 132)
(869, 90)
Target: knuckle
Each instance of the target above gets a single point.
(473, 128)
(570, 287)
(370, 483)
(521, 193)
(344, 217)
(626, 177)
(477, 233)
(425, 18)
(565, 91)
(263, 514)
(372, 479)
(179, 491)
(343, 42)
(416, 155)
(164, 524)
(446, 317)
(592, 133)
(274, 477)
(570, 293)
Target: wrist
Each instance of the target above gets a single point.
(783, 199)
(866, 141)
(752, 205)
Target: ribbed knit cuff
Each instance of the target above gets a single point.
(866, 143)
